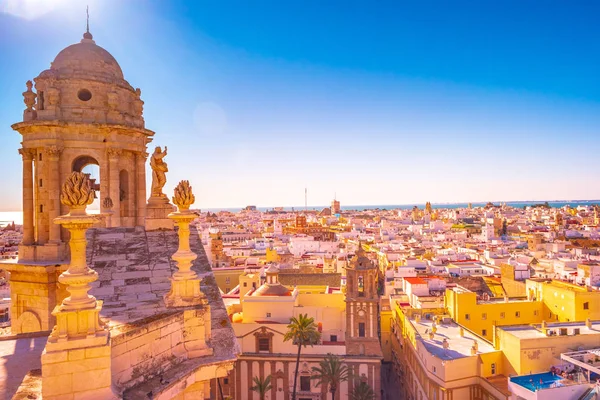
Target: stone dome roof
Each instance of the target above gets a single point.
(269, 289)
(86, 58)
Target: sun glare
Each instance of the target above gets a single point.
(30, 9)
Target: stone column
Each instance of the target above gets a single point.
(185, 284)
(52, 154)
(114, 185)
(77, 358)
(28, 233)
(140, 162)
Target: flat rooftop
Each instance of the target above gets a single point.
(459, 346)
(534, 331)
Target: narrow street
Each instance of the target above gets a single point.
(390, 384)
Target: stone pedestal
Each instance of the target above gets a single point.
(80, 372)
(34, 291)
(185, 284)
(157, 213)
(76, 361)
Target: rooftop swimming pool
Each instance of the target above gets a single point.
(538, 381)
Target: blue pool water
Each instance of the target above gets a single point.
(537, 381)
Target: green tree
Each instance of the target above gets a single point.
(261, 386)
(330, 372)
(302, 331)
(362, 391)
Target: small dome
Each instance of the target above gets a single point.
(268, 289)
(86, 57)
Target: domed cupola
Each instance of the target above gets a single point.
(86, 84)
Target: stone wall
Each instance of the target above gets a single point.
(148, 350)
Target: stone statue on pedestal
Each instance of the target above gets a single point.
(158, 207)
(159, 170)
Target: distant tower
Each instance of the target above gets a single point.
(416, 213)
(428, 208)
(335, 206)
(362, 306)
(216, 247)
(305, 199)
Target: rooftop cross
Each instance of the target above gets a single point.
(87, 34)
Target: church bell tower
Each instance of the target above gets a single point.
(82, 112)
(362, 306)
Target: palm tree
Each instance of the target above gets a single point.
(331, 372)
(362, 391)
(261, 386)
(302, 331)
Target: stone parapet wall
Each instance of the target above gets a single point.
(147, 351)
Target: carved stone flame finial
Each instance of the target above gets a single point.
(183, 197)
(77, 192)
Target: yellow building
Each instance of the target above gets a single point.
(435, 358)
(227, 278)
(480, 316)
(565, 301)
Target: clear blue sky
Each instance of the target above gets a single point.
(382, 103)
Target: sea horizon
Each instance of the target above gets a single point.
(8, 217)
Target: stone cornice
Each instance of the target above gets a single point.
(25, 127)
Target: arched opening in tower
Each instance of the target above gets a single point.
(89, 165)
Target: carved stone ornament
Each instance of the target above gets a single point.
(113, 153)
(183, 197)
(27, 154)
(53, 151)
(29, 97)
(107, 203)
(77, 192)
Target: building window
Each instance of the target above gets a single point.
(40, 157)
(586, 306)
(434, 369)
(268, 315)
(467, 317)
(484, 316)
(245, 284)
(484, 332)
(84, 95)
(264, 340)
(225, 381)
(535, 312)
(4, 315)
(41, 183)
(333, 338)
(518, 314)
(361, 286)
(502, 315)
(361, 329)
(41, 208)
(493, 368)
(227, 281)
(263, 344)
(305, 383)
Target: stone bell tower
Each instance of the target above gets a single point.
(362, 306)
(82, 112)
